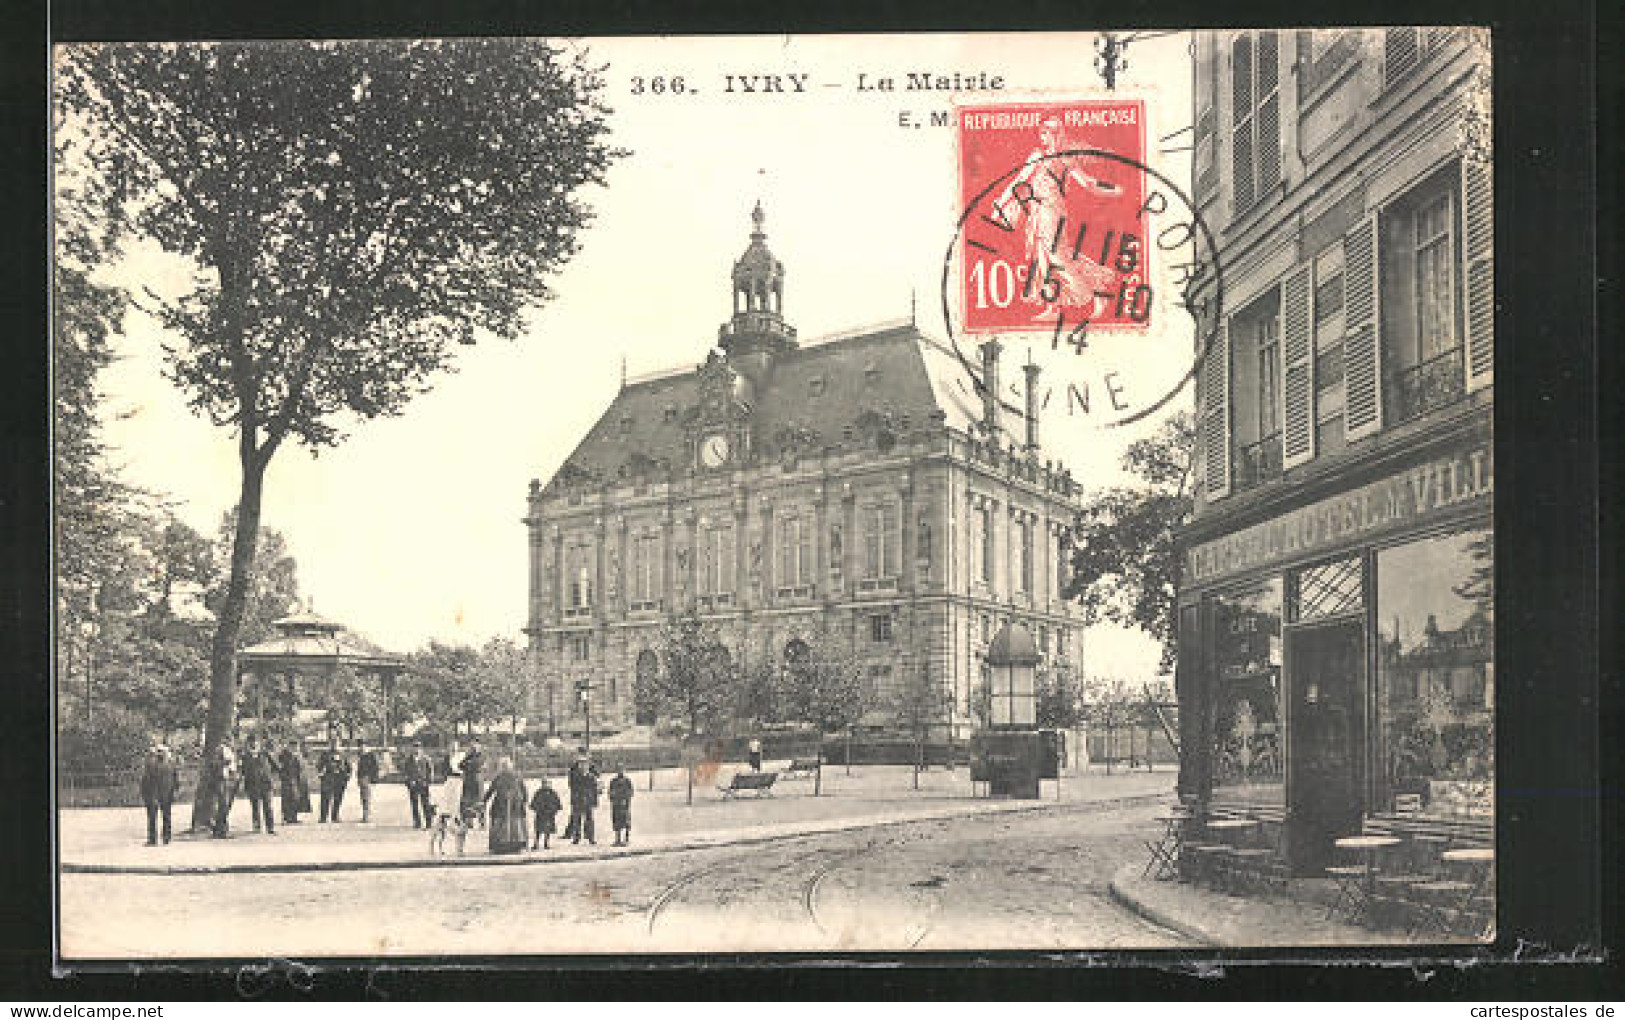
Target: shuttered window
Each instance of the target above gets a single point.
(1362, 375)
(1298, 349)
(1216, 415)
(1255, 153)
(1478, 242)
(1404, 49)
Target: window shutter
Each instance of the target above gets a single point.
(1298, 368)
(1216, 415)
(1362, 349)
(1268, 120)
(1400, 53)
(1241, 108)
(1478, 251)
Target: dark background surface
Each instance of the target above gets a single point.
(1559, 885)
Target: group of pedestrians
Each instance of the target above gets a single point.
(259, 774)
(466, 800)
(501, 805)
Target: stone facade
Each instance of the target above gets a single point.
(856, 487)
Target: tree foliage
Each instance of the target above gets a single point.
(694, 686)
(1125, 565)
(826, 688)
(350, 211)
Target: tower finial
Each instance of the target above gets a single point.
(757, 218)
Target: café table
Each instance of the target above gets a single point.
(1164, 860)
(1482, 862)
(1356, 885)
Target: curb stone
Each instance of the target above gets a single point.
(707, 843)
(1163, 919)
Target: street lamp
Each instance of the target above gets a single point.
(584, 699)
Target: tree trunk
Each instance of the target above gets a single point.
(849, 750)
(223, 653)
(919, 757)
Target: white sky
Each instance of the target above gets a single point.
(411, 529)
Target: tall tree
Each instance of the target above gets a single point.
(826, 687)
(919, 702)
(352, 211)
(694, 685)
(1125, 566)
(270, 583)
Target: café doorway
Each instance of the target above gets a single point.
(1325, 665)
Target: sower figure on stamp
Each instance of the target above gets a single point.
(545, 805)
(419, 773)
(295, 794)
(158, 788)
(334, 769)
(259, 779)
(583, 799)
(366, 774)
(620, 806)
(1037, 196)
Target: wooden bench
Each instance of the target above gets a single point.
(801, 768)
(761, 783)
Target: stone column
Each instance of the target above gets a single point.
(741, 547)
(561, 586)
(764, 506)
(668, 561)
(905, 536)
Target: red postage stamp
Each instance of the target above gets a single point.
(1052, 240)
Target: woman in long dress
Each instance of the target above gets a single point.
(506, 804)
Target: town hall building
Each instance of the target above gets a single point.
(861, 488)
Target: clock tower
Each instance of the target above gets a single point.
(757, 333)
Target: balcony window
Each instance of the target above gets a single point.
(1256, 345)
(1422, 331)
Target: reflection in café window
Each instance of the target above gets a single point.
(1248, 760)
(1435, 613)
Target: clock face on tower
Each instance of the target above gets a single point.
(714, 450)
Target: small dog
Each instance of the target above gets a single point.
(448, 821)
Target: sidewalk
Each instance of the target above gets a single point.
(111, 840)
(1297, 918)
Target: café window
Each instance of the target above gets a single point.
(1248, 763)
(1436, 675)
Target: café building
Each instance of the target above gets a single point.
(1336, 606)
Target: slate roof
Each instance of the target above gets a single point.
(820, 387)
(318, 647)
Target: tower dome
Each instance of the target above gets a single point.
(757, 331)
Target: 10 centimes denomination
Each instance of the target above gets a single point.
(1072, 245)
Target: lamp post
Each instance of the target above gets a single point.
(584, 696)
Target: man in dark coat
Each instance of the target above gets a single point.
(291, 769)
(158, 787)
(419, 775)
(583, 799)
(259, 779)
(620, 806)
(366, 774)
(334, 769)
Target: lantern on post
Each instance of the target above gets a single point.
(1012, 661)
(1008, 756)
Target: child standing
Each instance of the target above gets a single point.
(620, 806)
(545, 805)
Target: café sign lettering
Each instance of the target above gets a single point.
(1401, 499)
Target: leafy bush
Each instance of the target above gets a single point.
(111, 741)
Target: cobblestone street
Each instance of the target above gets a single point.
(1034, 880)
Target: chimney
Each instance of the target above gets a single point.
(1031, 371)
(990, 386)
